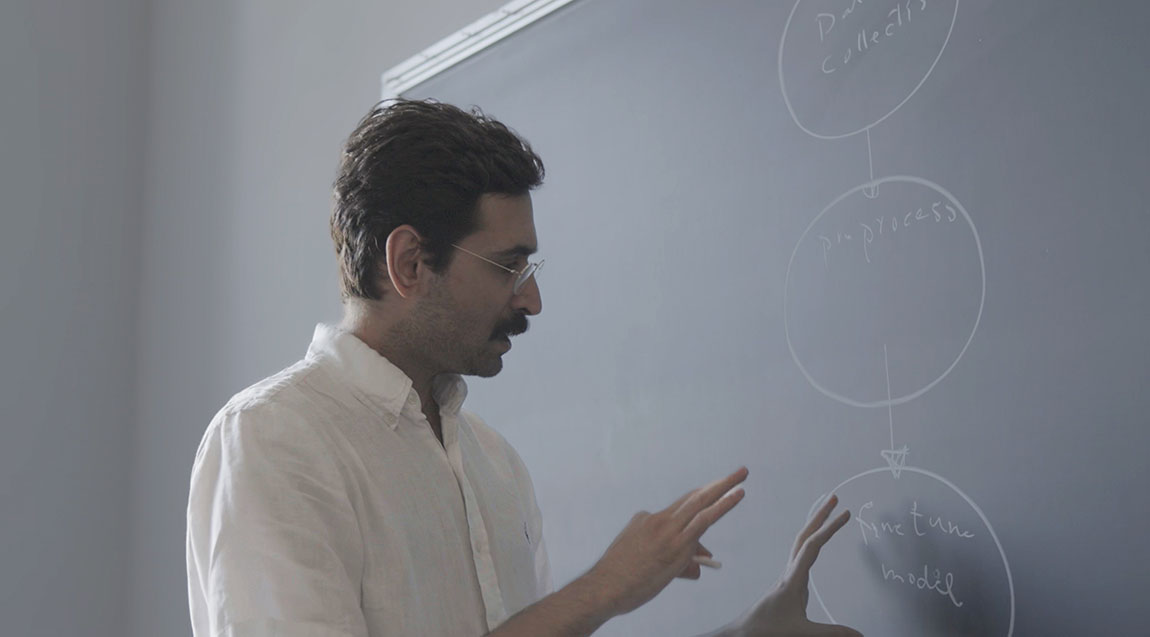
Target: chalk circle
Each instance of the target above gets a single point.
(871, 368)
(916, 482)
(846, 97)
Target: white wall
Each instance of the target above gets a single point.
(165, 170)
(248, 104)
(71, 77)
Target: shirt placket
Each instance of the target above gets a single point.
(477, 530)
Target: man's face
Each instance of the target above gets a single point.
(471, 312)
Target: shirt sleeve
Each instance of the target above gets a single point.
(273, 543)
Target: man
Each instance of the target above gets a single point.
(349, 495)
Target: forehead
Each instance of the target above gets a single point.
(504, 223)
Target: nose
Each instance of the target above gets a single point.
(528, 299)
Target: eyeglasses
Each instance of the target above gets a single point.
(521, 276)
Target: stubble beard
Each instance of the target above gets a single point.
(440, 329)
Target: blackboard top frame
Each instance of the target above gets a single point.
(465, 43)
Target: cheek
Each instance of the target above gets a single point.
(476, 308)
(474, 321)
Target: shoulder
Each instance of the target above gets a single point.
(276, 413)
(284, 389)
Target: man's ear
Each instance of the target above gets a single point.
(403, 260)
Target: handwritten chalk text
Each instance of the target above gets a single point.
(939, 583)
(868, 231)
(920, 525)
(866, 38)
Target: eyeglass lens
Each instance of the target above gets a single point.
(526, 274)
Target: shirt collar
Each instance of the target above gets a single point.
(449, 390)
(377, 379)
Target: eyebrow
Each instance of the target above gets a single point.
(519, 250)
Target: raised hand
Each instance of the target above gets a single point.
(655, 548)
(784, 610)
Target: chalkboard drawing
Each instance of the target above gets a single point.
(895, 456)
(903, 273)
(852, 64)
(922, 559)
(834, 53)
(897, 281)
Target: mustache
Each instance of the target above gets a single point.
(511, 327)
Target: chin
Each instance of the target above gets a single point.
(488, 367)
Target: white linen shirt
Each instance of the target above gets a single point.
(322, 505)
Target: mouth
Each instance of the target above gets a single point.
(514, 327)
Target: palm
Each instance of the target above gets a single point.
(784, 610)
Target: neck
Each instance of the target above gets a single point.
(383, 333)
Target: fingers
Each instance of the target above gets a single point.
(814, 543)
(689, 506)
(693, 570)
(708, 516)
(815, 523)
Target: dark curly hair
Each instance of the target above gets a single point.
(423, 163)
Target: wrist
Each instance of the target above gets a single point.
(576, 610)
(596, 594)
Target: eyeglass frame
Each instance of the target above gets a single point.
(521, 276)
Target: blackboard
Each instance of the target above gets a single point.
(891, 249)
